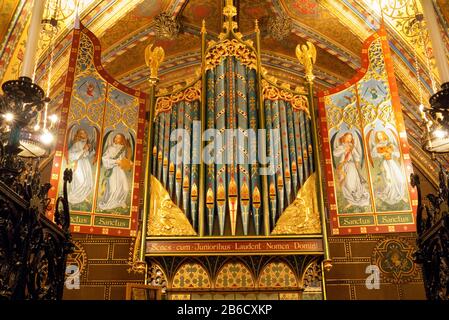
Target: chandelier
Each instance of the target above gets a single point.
(26, 128)
(436, 118)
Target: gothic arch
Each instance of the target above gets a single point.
(234, 274)
(191, 275)
(277, 274)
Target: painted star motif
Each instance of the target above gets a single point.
(395, 259)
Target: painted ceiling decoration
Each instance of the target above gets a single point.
(8, 12)
(16, 24)
(125, 28)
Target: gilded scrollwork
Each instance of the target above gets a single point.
(165, 103)
(85, 57)
(334, 115)
(312, 278)
(228, 48)
(166, 218)
(156, 277)
(271, 92)
(302, 216)
(406, 16)
(376, 69)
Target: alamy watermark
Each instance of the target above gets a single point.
(227, 146)
(73, 277)
(373, 280)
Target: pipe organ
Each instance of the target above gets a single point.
(232, 161)
(233, 174)
(233, 165)
(254, 130)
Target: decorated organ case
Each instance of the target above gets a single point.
(232, 151)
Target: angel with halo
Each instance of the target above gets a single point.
(80, 156)
(117, 161)
(348, 156)
(394, 181)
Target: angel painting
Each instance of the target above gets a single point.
(80, 156)
(89, 88)
(390, 182)
(348, 162)
(117, 162)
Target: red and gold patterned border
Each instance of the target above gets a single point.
(405, 149)
(60, 145)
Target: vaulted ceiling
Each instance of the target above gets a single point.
(337, 28)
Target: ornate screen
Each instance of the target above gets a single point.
(366, 152)
(249, 135)
(100, 139)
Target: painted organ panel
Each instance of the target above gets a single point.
(101, 141)
(366, 151)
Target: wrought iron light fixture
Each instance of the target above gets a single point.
(436, 118)
(25, 127)
(20, 105)
(33, 246)
(437, 121)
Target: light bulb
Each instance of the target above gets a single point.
(36, 127)
(8, 116)
(46, 137)
(440, 133)
(53, 118)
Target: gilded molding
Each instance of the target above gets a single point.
(301, 216)
(166, 218)
(134, 262)
(165, 103)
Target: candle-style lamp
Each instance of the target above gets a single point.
(437, 118)
(19, 106)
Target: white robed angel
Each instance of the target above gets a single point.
(394, 180)
(348, 155)
(79, 157)
(116, 161)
